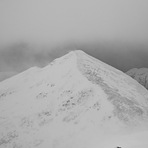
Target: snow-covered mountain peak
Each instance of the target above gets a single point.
(76, 101)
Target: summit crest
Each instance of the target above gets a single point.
(76, 101)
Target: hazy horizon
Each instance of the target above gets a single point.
(35, 32)
(21, 56)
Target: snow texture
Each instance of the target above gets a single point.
(76, 101)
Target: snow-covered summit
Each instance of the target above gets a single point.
(76, 101)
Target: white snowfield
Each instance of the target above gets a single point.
(76, 101)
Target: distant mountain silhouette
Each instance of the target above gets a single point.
(140, 75)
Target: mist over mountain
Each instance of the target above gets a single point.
(33, 33)
(5, 75)
(75, 101)
(20, 56)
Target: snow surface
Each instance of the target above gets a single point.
(76, 101)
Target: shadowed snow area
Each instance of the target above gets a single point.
(76, 101)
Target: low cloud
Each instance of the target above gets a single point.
(123, 56)
(21, 56)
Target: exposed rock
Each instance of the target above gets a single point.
(140, 75)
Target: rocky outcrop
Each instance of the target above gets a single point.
(140, 75)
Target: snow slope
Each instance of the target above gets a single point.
(76, 101)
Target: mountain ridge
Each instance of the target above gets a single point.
(68, 102)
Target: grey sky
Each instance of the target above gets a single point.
(53, 21)
(34, 32)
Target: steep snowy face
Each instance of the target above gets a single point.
(72, 102)
(130, 100)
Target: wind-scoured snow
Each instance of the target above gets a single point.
(76, 101)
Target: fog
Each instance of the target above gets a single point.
(56, 21)
(21, 56)
(34, 32)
